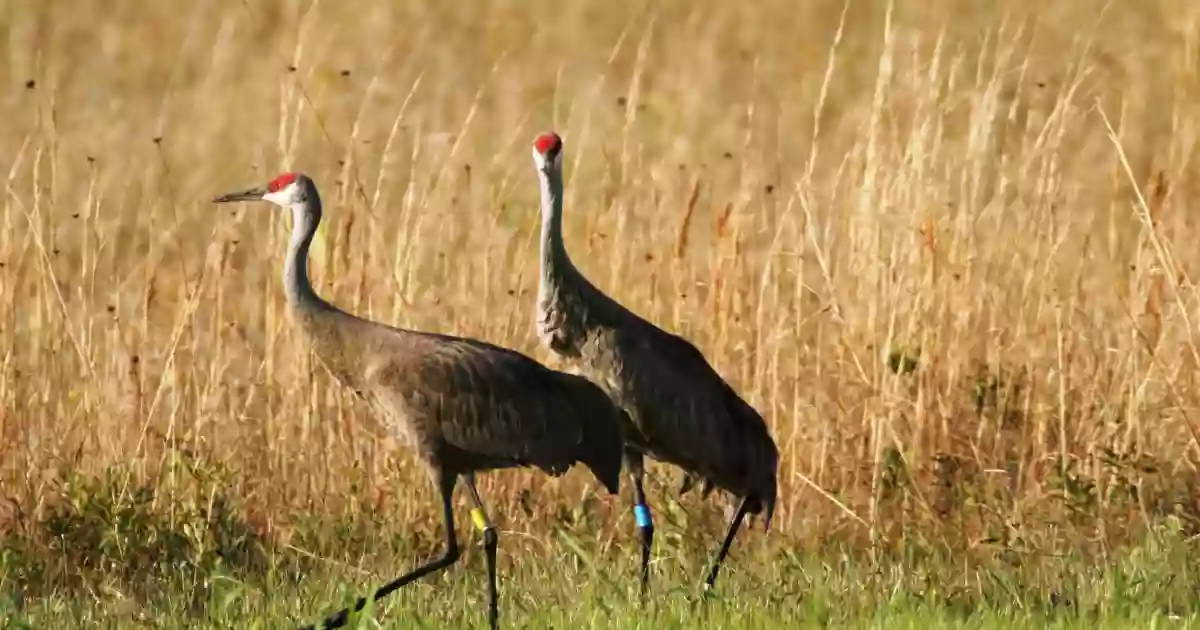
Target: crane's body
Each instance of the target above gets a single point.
(680, 411)
(462, 405)
(677, 408)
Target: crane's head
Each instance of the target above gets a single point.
(547, 152)
(285, 190)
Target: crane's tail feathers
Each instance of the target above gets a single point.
(613, 483)
(602, 446)
(605, 449)
(605, 467)
(768, 512)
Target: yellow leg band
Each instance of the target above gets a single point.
(480, 519)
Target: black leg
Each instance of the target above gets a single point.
(491, 540)
(729, 534)
(449, 557)
(641, 515)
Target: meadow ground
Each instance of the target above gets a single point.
(942, 246)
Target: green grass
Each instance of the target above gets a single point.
(536, 595)
(103, 554)
(560, 580)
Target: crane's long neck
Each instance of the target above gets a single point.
(306, 216)
(555, 262)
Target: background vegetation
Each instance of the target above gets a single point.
(942, 246)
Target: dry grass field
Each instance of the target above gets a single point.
(945, 248)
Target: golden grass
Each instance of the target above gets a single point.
(943, 247)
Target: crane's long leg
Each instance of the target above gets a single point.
(729, 534)
(491, 540)
(449, 557)
(641, 514)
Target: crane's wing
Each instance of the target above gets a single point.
(678, 361)
(697, 419)
(501, 404)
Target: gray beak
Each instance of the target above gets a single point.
(254, 194)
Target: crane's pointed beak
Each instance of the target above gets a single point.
(254, 194)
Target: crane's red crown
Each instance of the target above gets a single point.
(547, 143)
(281, 182)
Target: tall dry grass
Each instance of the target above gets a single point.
(943, 247)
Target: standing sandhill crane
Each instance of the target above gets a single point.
(463, 405)
(678, 409)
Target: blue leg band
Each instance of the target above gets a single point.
(641, 514)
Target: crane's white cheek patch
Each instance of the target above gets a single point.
(278, 197)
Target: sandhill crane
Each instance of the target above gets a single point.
(463, 405)
(679, 410)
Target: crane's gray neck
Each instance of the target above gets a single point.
(555, 261)
(306, 216)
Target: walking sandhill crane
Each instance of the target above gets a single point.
(462, 405)
(678, 409)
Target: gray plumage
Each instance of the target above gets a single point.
(679, 409)
(462, 405)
